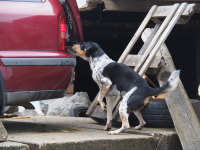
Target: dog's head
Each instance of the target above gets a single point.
(85, 50)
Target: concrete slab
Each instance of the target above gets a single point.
(13, 146)
(46, 133)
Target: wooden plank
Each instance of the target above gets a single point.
(185, 19)
(116, 101)
(115, 113)
(184, 118)
(156, 20)
(144, 36)
(156, 37)
(137, 34)
(189, 10)
(132, 5)
(181, 20)
(140, 5)
(103, 90)
(148, 80)
(183, 115)
(162, 38)
(133, 60)
(163, 11)
(98, 113)
(85, 5)
(92, 106)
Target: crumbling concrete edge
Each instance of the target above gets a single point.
(145, 143)
(3, 132)
(8, 145)
(164, 141)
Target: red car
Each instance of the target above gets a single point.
(34, 63)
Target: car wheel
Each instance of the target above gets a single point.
(78, 111)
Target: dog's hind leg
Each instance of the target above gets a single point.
(109, 101)
(124, 114)
(124, 117)
(141, 120)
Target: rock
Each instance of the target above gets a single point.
(63, 106)
(37, 108)
(3, 133)
(44, 105)
(28, 112)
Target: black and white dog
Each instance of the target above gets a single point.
(117, 78)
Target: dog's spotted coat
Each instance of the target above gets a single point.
(97, 65)
(116, 79)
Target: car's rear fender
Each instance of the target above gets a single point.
(36, 70)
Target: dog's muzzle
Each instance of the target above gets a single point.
(72, 49)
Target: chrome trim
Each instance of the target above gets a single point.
(27, 96)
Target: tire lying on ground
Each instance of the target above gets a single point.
(78, 111)
(156, 114)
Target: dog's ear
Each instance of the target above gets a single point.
(91, 49)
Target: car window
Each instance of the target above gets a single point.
(24, 0)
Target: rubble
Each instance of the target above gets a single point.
(63, 106)
(28, 112)
(3, 133)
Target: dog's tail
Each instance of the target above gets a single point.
(169, 86)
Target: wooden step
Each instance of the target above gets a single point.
(132, 61)
(163, 11)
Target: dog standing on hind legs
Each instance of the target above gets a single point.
(119, 79)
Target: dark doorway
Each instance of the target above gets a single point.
(113, 40)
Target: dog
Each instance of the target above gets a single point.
(119, 79)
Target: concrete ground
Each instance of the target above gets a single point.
(46, 133)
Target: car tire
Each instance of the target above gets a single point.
(78, 111)
(157, 114)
